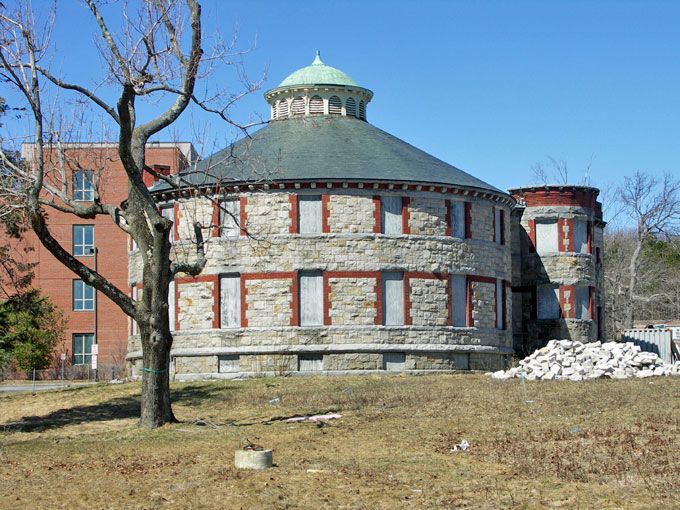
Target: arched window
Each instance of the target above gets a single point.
(298, 107)
(316, 105)
(334, 105)
(351, 107)
(362, 110)
(283, 108)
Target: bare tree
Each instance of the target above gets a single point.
(156, 57)
(556, 171)
(653, 205)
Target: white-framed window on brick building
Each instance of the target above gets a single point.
(309, 214)
(582, 298)
(230, 218)
(83, 186)
(83, 240)
(391, 215)
(459, 300)
(393, 298)
(547, 302)
(83, 296)
(546, 236)
(457, 219)
(81, 348)
(311, 298)
(230, 300)
(581, 236)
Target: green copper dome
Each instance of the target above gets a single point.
(318, 74)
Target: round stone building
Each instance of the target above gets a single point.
(334, 248)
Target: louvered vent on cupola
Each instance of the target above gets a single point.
(283, 108)
(298, 107)
(351, 107)
(316, 105)
(334, 105)
(362, 110)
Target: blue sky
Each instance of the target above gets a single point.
(491, 87)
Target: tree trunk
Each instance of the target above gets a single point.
(633, 268)
(155, 409)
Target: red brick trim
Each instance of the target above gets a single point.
(468, 303)
(589, 229)
(407, 301)
(569, 223)
(175, 221)
(325, 213)
(244, 215)
(212, 278)
(377, 227)
(504, 298)
(405, 215)
(268, 276)
(591, 311)
(352, 274)
(571, 301)
(532, 235)
(503, 230)
(569, 196)
(468, 220)
(481, 279)
(378, 300)
(295, 301)
(217, 305)
(293, 199)
(448, 218)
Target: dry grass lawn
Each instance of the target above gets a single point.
(596, 444)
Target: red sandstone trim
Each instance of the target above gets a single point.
(378, 300)
(590, 236)
(468, 303)
(448, 218)
(468, 220)
(175, 222)
(571, 301)
(244, 304)
(244, 215)
(504, 288)
(503, 230)
(495, 307)
(293, 199)
(269, 276)
(532, 235)
(326, 300)
(325, 213)
(216, 303)
(352, 274)
(570, 225)
(376, 214)
(569, 197)
(295, 301)
(216, 219)
(591, 311)
(481, 279)
(407, 301)
(405, 215)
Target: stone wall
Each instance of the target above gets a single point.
(429, 302)
(350, 214)
(427, 216)
(269, 302)
(483, 304)
(195, 303)
(353, 301)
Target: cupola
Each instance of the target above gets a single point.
(318, 89)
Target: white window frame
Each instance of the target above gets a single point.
(83, 186)
(83, 249)
(85, 356)
(86, 302)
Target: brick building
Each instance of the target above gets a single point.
(344, 249)
(93, 318)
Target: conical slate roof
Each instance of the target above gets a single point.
(332, 148)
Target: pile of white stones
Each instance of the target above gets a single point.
(575, 361)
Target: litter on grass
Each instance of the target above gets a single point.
(462, 446)
(315, 418)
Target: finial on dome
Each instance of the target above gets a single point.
(317, 59)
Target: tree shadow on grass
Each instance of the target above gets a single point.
(118, 408)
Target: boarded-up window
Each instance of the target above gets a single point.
(230, 301)
(548, 302)
(335, 105)
(283, 108)
(582, 302)
(362, 110)
(394, 361)
(298, 107)
(580, 236)
(351, 107)
(393, 298)
(316, 105)
(390, 215)
(458, 219)
(230, 218)
(168, 211)
(500, 309)
(310, 362)
(459, 299)
(546, 237)
(461, 361)
(311, 298)
(172, 297)
(498, 226)
(309, 214)
(228, 363)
